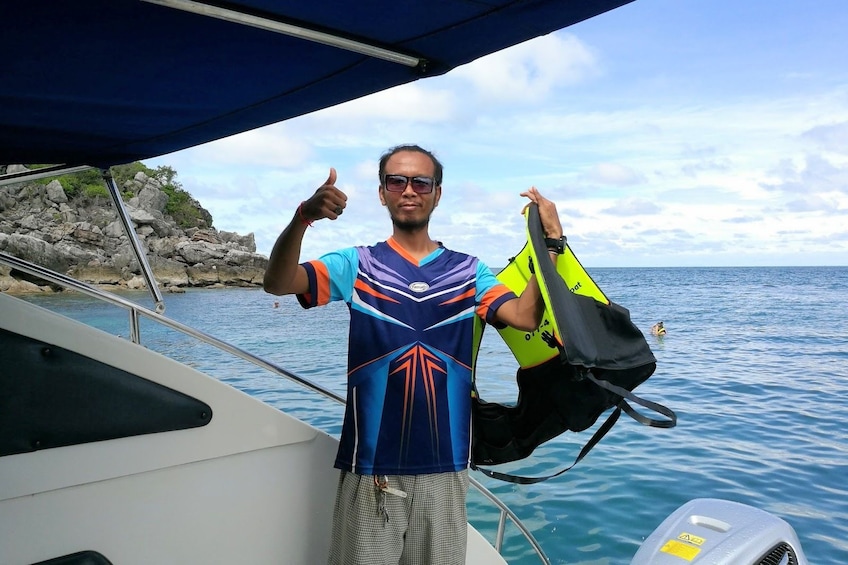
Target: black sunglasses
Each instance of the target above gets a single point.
(398, 183)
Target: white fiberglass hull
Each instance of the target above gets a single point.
(253, 485)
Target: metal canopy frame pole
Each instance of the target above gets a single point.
(112, 186)
(36, 174)
(132, 236)
(292, 30)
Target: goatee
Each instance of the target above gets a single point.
(410, 225)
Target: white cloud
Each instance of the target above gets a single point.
(833, 137)
(271, 146)
(407, 103)
(532, 71)
(633, 207)
(614, 173)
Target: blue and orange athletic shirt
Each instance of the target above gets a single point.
(410, 355)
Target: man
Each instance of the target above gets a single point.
(404, 447)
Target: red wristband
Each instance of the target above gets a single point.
(300, 215)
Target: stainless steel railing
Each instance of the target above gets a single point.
(135, 312)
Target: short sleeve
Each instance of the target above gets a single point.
(330, 277)
(491, 294)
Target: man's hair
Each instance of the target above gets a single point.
(437, 166)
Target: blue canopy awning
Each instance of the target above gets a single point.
(104, 82)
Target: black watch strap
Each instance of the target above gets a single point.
(555, 245)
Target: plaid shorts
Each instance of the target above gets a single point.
(428, 526)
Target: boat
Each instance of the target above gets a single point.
(113, 453)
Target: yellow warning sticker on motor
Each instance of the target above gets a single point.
(680, 549)
(693, 539)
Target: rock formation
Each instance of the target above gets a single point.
(87, 242)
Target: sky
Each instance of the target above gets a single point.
(670, 133)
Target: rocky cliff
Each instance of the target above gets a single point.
(86, 240)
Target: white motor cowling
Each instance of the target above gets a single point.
(708, 531)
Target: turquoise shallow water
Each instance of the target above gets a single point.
(755, 364)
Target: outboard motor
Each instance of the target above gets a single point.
(707, 531)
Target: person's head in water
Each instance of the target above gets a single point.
(410, 186)
(658, 329)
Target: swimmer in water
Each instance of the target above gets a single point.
(658, 329)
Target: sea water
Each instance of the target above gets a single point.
(755, 364)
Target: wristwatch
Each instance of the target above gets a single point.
(556, 245)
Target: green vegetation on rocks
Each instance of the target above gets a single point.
(88, 186)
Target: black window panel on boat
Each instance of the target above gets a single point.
(52, 397)
(80, 558)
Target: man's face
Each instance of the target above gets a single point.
(410, 210)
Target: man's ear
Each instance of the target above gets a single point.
(438, 195)
(380, 194)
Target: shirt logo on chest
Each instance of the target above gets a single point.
(419, 286)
